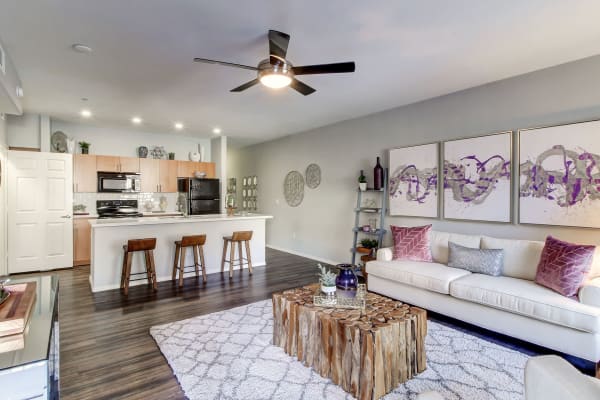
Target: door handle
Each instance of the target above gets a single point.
(66, 216)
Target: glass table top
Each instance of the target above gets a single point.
(38, 330)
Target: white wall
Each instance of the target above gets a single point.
(3, 230)
(23, 130)
(321, 225)
(124, 142)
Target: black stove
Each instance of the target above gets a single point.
(117, 209)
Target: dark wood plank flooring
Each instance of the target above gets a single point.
(106, 349)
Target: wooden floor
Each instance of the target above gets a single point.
(106, 350)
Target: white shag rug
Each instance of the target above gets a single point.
(228, 355)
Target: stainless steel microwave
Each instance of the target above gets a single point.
(117, 182)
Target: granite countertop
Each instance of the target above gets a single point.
(112, 222)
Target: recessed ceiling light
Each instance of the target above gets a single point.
(86, 113)
(81, 48)
(136, 120)
(217, 131)
(178, 126)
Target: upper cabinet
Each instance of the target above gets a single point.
(167, 176)
(85, 178)
(186, 169)
(157, 176)
(10, 86)
(117, 164)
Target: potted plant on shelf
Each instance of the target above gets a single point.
(362, 181)
(327, 280)
(367, 246)
(85, 147)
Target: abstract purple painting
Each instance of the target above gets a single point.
(477, 178)
(413, 181)
(559, 175)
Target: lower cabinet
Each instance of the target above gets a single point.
(82, 241)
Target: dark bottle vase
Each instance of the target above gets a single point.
(346, 279)
(378, 176)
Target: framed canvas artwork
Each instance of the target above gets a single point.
(477, 178)
(559, 175)
(413, 181)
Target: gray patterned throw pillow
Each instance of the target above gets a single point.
(480, 261)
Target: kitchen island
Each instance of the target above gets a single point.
(109, 236)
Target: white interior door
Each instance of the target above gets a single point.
(40, 209)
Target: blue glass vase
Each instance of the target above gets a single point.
(346, 279)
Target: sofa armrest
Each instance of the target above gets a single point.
(384, 254)
(590, 293)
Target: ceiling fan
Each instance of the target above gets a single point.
(277, 72)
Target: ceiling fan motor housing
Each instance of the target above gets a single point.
(281, 68)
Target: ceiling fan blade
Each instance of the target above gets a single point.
(245, 85)
(228, 64)
(278, 44)
(324, 68)
(301, 87)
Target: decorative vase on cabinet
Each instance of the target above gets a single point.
(378, 176)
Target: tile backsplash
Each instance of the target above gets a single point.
(89, 200)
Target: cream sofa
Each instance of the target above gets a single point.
(512, 304)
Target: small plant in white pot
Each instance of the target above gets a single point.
(362, 181)
(327, 280)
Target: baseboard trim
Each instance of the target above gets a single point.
(297, 253)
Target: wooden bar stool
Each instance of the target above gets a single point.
(147, 246)
(239, 238)
(197, 243)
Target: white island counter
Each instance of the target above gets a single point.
(109, 236)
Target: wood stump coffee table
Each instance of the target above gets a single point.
(368, 353)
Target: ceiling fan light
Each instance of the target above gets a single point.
(275, 81)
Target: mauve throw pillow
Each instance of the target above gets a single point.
(563, 266)
(411, 243)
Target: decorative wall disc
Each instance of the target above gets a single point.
(313, 176)
(293, 188)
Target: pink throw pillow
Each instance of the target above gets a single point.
(411, 243)
(563, 266)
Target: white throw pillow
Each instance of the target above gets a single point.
(521, 257)
(439, 244)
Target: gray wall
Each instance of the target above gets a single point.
(321, 225)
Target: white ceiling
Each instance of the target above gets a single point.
(405, 51)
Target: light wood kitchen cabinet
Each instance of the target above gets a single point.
(149, 170)
(82, 239)
(158, 176)
(129, 164)
(85, 178)
(107, 163)
(167, 176)
(186, 169)
(117, 164)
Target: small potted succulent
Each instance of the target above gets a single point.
(85, 147)
(327, 280)
(362, 181)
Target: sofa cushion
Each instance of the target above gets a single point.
(439, 244)
(425, 275)
(521, 257)
(525, 297)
